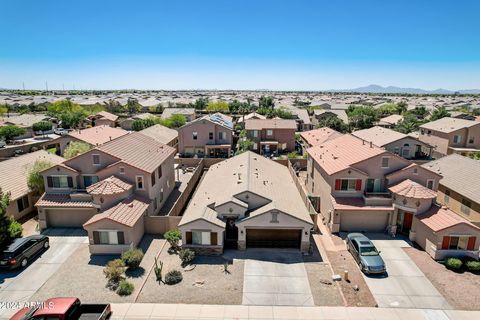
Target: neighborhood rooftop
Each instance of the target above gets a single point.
(259, 124)
(160, 133)
(379, 136)
(318, 136)
(98, 135)
(439, 218)
(448, 124)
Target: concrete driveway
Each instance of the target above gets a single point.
(275, 277)
(405, 286)
(19, 286)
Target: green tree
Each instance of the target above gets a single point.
(35, 179)
(200, 103)
(334, 123)
(266, 102)
(10, 131)
(218, 106)
(420, 112)
(76, 148)
(133, 106)
(69, 113)
(408, 124)
(361, 117)
(42, 126)
(439, 113)
(3, 110)
(388, 109)
(402, 107)
(176, 121)
(475, 155)
(9, 228)
(244, 144)
(113, 106)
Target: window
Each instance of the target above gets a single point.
(89, 180)
(195, 135)
(385, 162)
(139, 182)
(222, 135)
(396, 150)
(466, 205)
(155, 204)
(415, 170)
(201, 237)
(23, 203)
(210, 136)
(446, 197)
(161, 195)
(159, 172)
(255, 146)
(430, 184)
(269, 132)
(96, 159)
(457, 139)
(108, 237)
(429, 132)
(255, 133)
(274, 217)
(267, 148)
(60, 182)
(422, 131)
(122, 170)
(348, 184)
(461, 242)
(153, 178)
(471, 140)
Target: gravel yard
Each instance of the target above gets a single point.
(206, 284)
(82, 276)
(461, 290)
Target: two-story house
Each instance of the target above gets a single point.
(109, 188)
(271, 135)
(451, 135)
(104, 118)
(209, 136)
(318, 136)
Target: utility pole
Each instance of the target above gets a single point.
(23, 86)
(46, 86)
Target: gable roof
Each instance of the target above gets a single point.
(391, 119)
(340, 153)
(25, 120)
(216, 118)
(160, 133)
(412, 189)
(98, 135)
(460, 174)
(106, 115)
(379, 136)
(440, 218)
(168, 112)
(252, 115)
(341, 114)
(259, 124)
(139, 151)
(127, 212)
(111, 185)
(14, 171)
(448, 125)
(318, 136)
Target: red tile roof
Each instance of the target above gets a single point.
(439, 218)
(61, 200)
(111, 185)
(411, 189)
(98, 135)
(127, 212)
(319, 136)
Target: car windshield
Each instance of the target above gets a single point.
(368, 251)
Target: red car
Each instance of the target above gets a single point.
(64, 309)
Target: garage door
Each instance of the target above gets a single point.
(273, 238)
(363, 221)
(68, 218)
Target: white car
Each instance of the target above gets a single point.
(61, 131)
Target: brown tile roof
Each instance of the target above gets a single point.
(259, 124)
(439, 218)
(160, 133)
(14, 171)
(411, 189)
(127, 212)
(391, 119)
(111, 185)
(319, 136)
(139, 151)
(107, 115)
(379, 136)
(61, 200)
(340, 153)
(449, 124)
(98, 135)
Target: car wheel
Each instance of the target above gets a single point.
(24, 262)
(46, 244)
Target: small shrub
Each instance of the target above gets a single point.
(15, 229)
(187, 256)
(173, 277)
(132, 258)
(473, 265)
(114, 270)
(453, 263)
(125, 288)
(173, 237)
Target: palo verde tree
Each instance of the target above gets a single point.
(10, 131)
(35, 180)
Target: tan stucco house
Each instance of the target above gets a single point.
(318, 136)
(271, 136)
(109, 186)
(104, 118)
(246, 201)
(162, 134)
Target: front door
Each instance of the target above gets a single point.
(231, 234)
(404, 221)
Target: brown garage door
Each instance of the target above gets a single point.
(68, 218)
(364, 221)
(273, 238)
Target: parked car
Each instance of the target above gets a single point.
(2, 144)
(64, 309)
(61, 131)
(365, 253)
(23, 250)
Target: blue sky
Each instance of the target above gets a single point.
(233, 44)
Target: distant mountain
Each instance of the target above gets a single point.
(375, 88)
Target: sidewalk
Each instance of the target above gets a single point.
(238, 312)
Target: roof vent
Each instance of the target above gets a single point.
(371, 144)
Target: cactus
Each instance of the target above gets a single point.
(158, 270)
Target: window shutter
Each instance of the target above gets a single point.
(213, 238)
(96, 237)
(338, 184)
(50, 182)
(189, 237)
(121, 237)
(70, 182)
(445, 242)
(471, 243)
(358, 185)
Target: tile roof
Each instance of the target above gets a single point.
(139, 151)
(127, 212)
(449, 124)
(460, 174)
(341, 114)
(110, 185)
(160, 133)
(391, 119)
(340, 153)
(379, 136)
(246, 172)
(98, 135)
(25, 120)
(61, 200)
(259, 124)
(439, 218)
(168, 112)
(107, 115)
(354, 203)
(14, 171)
(252, 115)
(318, 136)
(412, 189)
